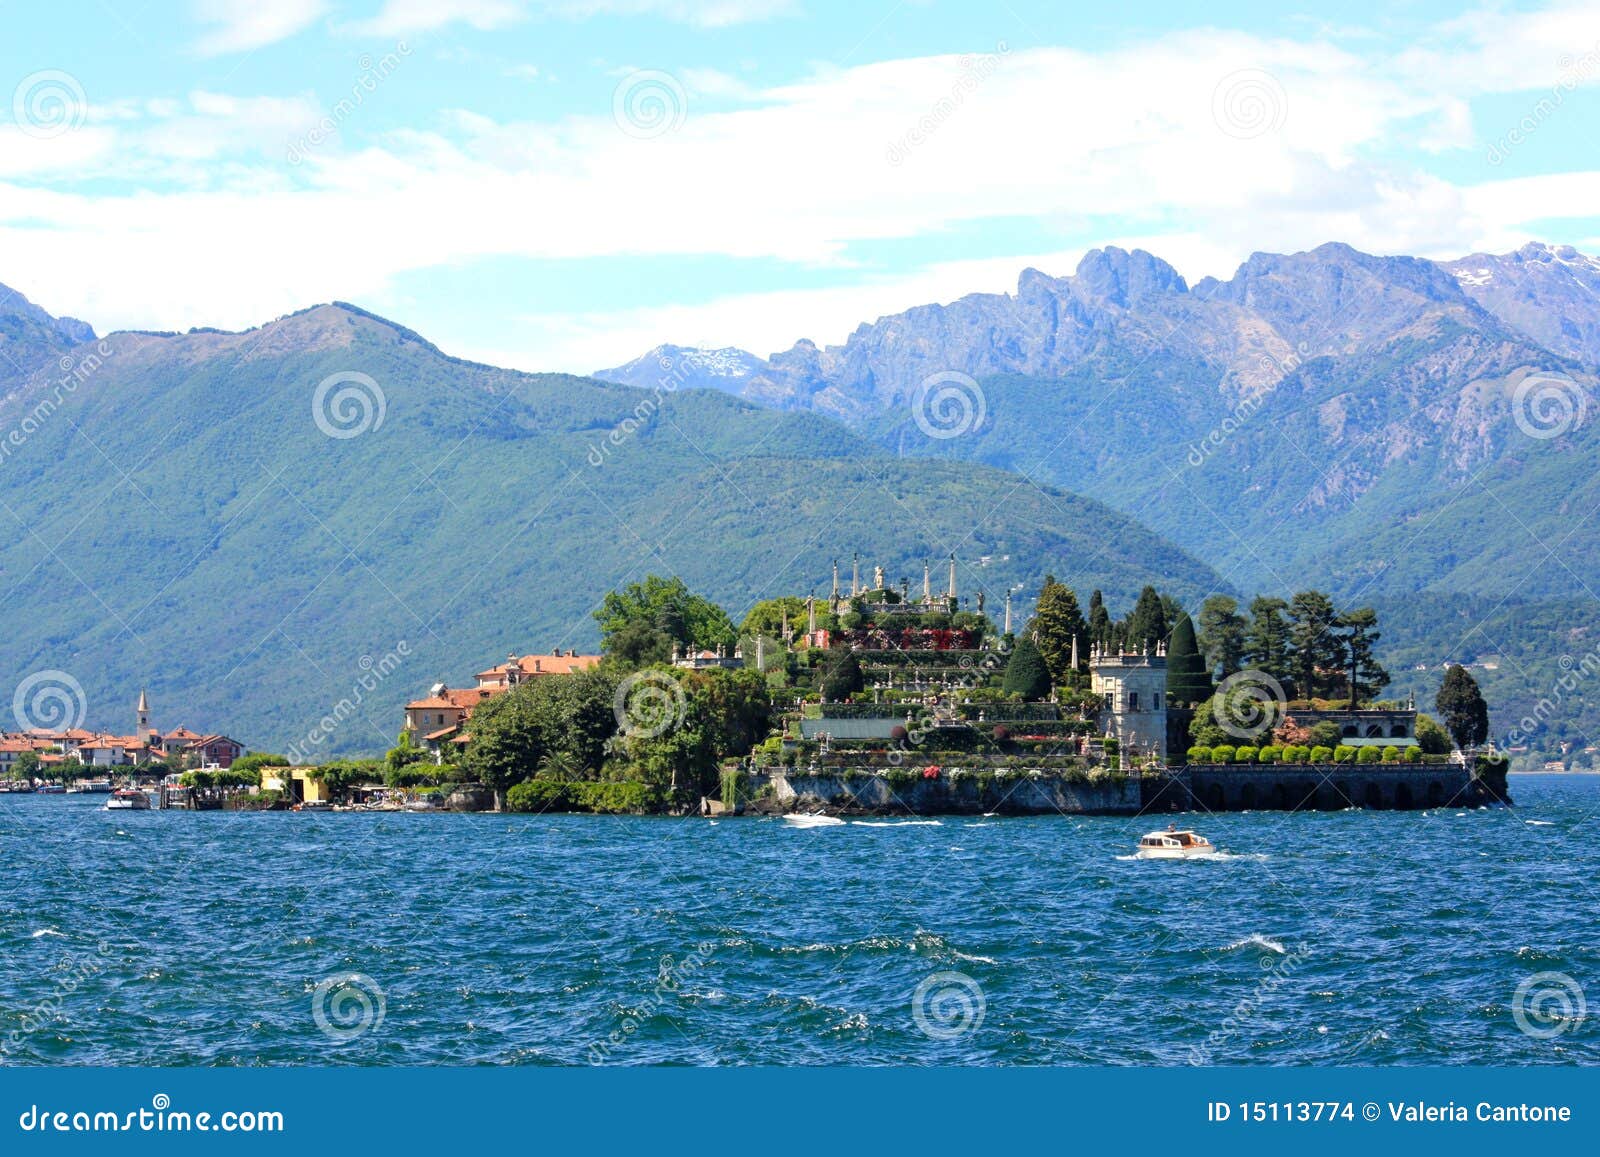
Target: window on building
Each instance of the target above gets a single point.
(1133, 701)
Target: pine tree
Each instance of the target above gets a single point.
(1461, 706)
(1026, 673)
(1312, 643)
(1222, 632)
(1147, 625)
(1266, 640)
(1188, 681)
(1057, 622)
(1366, 676)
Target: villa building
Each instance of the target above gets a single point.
(439, 718)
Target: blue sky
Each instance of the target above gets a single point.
(563, 185)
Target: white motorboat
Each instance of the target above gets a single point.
(128, 799)
(817, 821)
(1175, 844)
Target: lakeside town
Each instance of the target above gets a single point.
(877, 698)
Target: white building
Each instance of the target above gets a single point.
(1134, 690)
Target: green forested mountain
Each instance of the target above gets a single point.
(247, 527)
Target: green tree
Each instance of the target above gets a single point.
(509, 739)
(1188, 681)
(1266, 640)
(26, 765)
(1462, 707)
(638, 644)
(1147, 624)
(669, 607)
(1222, 635)
(1099, 619)
(255, 761)
(1313, 645)
(404, 753)
(768, 617)
(1026, 673)
(1057, 624)
(841, 676)
(1358, 633)
(1431, 737)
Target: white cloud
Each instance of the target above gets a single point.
(1207, 144)
(244, 25)
(403, 17)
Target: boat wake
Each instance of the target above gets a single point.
(1256, 940)
(897, 823)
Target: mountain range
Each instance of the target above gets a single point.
(287, 532)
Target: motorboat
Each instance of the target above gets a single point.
(812, 821)
(1175, 844)
(315, 805)
(128, 799)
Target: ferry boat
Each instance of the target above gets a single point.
(52, 789)
(90, 787)
(1175, 844)
(128, 799)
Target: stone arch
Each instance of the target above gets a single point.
(1374, 731)
(1280, 797)
(1399, 731)
(1402, 796)
(1350, 731)
(1247, 797)
(1213, 795)
(1373, 796)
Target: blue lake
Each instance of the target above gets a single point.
(371, 939)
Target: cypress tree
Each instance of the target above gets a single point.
(1461, 706)
(1026, 673)
(1099, 619)
(1188, 681)
(1147, 625)
(842, 677)
(1057, 622)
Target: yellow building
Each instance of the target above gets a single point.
(297, 784)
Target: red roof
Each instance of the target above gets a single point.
(557, 664)
(462, 699)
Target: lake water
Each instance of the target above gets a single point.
(1324, 938)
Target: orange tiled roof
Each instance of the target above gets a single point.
(462, 698)
(441, 733)
(542, 665)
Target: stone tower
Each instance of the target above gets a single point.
(1134, 691)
